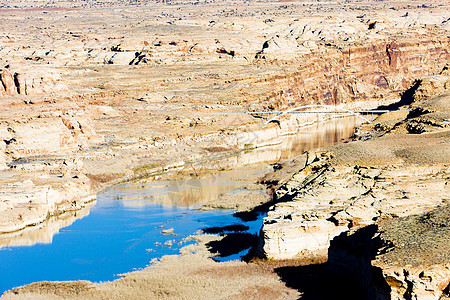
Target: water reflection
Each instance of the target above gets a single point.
(200, 189)
(176, 193)
(315, 136)
(42, 233)
(113, 239)
(318, 135)
(205, 188)
(190, 191)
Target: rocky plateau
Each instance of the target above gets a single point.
(87, 103)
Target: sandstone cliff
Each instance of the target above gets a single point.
(31, 80)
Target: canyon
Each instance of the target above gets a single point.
(98, 93)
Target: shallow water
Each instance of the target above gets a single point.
(131, 224)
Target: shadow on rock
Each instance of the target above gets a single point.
(406, 99)
(313, 282)
(257, 211)
(254, 213)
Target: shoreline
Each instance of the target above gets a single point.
(226, 204)
(142, 172)
(200, 255)
(78, 118)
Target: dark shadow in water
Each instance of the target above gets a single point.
(232, 243)
(257, 211)
(313, 282)
(224, 229)
(254, 213)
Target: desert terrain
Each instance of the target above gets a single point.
(95, 93)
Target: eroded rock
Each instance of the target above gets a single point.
(358, 183)
(331, 200)
(30, 81)
(48, 135)
(404, 258)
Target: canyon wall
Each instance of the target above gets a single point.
(379, 205)
(375, 70)
(357, 184)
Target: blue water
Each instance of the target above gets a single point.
(118, 236)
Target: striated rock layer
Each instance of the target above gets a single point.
(379, 70)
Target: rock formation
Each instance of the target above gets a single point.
(30, 81)
(359, 183)
(400, 258)
(94, 92)
(317, 206)
(48, 135)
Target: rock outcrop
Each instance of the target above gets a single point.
(377, 71)
(400, 258)
(42, 195)
(42, 136)
(30, 81)
(315, 206)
